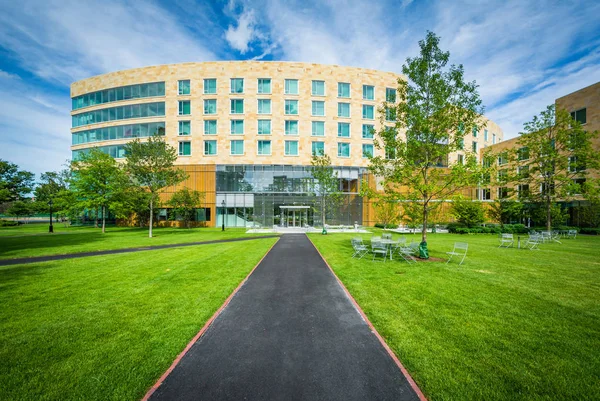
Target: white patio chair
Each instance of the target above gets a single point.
(460, 249)
(572, 234)
(360, 249)
(409, 252)
(377, 248)
(506, 240)
(533, 241)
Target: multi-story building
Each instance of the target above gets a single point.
(246, 131)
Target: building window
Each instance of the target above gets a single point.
(523, 190)
(474, 132)
(291, 148)
(291, 127)
(264, 106)
(502, 158)
(390, 114)
(368, 92)
(264, 127)
(318, 128)
(486, 194)
(318, 108)
(368, 112)
(460, 159)
(237, 147)
(390, 95)
(184, 87)
(291, 107)
(210, 86)
(318, 148)
(185, 148)
(237, 85)
(502, 193)
(367, 150)
(523, 153)
(210, 127)
(344, 110)
(237, 106)
(485, 135)
(264, 147)
(580, 115)
(117, 94)
(210, 148)
(184, 127)
(184, 107)
(367, 131)
(344, 130)
(343, 89)
(343, 149)
(493, 139)
(461, 143)
(474, 147)
(210, 106)
(575, 166)
(523, 172)
(237, 127)
(264, 85)
(502, 175)
(291, 87)
(318, 88)
(390, 153)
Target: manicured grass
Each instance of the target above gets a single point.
(34, 239)
(102, 328)
(509, 324)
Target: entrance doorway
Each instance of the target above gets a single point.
(295, 216)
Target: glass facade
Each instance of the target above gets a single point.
(116, 151)
(119, 113)
(283, 195)
(117, 94)
(118, 132)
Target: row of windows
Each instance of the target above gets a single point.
(290, 108)
(118, 132)
(120, 93)
(263, 148)
(264, 128)
(119, 113)
(236, 85)
(485, 135)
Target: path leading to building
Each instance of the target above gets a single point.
(36, 259)
(290, 333)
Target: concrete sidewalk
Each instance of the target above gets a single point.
(290, 333)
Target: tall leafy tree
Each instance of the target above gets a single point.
(434, 110)
(184, 203)
(327, 185)
(51, 186)
(150, 164)
(98, 181)
(15, 184)
(554, 156)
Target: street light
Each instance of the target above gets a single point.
(50, 229)
(223, 215)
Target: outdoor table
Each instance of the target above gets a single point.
(518, 242)
(388, 243)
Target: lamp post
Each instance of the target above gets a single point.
(223, 215)
(50, 229)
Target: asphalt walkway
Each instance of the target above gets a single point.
(36, 259)
(290, 333)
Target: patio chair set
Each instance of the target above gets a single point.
(535, 238)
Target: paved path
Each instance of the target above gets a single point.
(290, 333)
(48, 258)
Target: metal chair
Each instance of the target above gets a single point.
(533, 241)
(409, 252)
(460, 249)
(506, 240)
(377, 248)
(360, 249)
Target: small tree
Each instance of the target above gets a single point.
(21, 208)
(468, 213)
(15, 184)
(504, 211)
(184, 203)
(151, 165)
(327, 185)
(387, 212)
(436, 109)
(555, 156)
(97, 180)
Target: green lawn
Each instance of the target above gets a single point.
(34, 239)
(509, 324)
(108, 327)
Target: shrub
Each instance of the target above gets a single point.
(381, 225)
(8, 223)
(468, 213)
(590, 231)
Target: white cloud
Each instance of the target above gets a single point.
(240, 37)
(8, 75)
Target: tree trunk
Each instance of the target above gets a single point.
(103, 219)
(151, 216)
(96, 219)
(548, 216)
(323, 210)
(425, 215)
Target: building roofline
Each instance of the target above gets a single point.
(578, 90)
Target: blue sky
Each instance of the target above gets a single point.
(523, 54)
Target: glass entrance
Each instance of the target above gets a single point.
(295, 216)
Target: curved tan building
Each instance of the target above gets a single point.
(246, 127)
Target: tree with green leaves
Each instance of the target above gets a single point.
(467, 212)
(15, 184)
(21, 208)
(504, 211)
(184, 203)
(150, 165)
(98, 180)
(326, 185)
(554, 156)
(387, 212)
(51, 186)
(434, 110)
